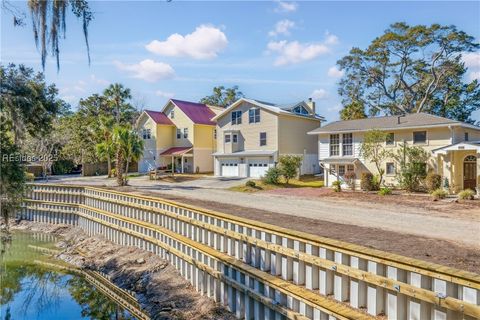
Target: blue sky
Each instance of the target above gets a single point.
(274, 51)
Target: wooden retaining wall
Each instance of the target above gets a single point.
(260, 271)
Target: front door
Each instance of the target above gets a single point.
(470, 173)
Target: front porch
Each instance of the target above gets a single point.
(459, 166)
(180, 159)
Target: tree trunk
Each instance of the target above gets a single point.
(119, 168)
(126, 171)
(109, 167)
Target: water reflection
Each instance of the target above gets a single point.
(29, 290)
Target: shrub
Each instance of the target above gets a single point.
(412, 161)
(250, 183)
(376, 181)
(29, 176)
(272, 176)
(289, 165)
(439, 194)
(366, 181)
(350, 177)
(385, 191)
(337, 186)
(466, 194)
(113, 172)
(63, 166)
(433, 181)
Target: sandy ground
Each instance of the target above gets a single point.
(159, 287)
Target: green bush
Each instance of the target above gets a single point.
(62, 166)
(337, 186)
(439, 194)
(29, 176)
(433, 181)
(250, 183)
(467, 194)
(350, 177)
(272, 176)
(289, 165)
(366, 181)
(385, 191)
(113, 172)
(376, 182)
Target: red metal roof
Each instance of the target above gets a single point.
(199, 113)
(159, 117)
(175, 151)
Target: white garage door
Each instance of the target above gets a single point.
(146, 164)
(230, 168)
(257, 169)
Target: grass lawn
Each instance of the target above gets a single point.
(307, 181)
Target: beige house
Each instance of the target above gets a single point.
(454, 147)
(181, 134)
(252, 135)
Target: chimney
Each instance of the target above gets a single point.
(311, 104)
(398, 118)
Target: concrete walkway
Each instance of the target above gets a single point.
(411, 221)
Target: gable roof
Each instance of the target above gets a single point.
(275, 108)
(408, 121)
(159, 117)
(199, 113)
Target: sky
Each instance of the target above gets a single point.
(276, 51)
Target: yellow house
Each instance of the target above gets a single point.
(181, 135)
(454, 147)
(253, 134)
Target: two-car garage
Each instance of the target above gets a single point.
(255, 168)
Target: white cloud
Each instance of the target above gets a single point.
(330, 39)
(203, 43)
(148, 70)
(335, 108)
(333, 72)
(474, 75)
(295, 52)
(284, 6)
(96, 80)
(471, 59)
(319, 94)
(282, 27)
(164, 94)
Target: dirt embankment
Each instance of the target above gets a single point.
(159, 288)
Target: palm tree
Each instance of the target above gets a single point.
(106, 148)
(117, 95)
(120, 140)
(133, 149)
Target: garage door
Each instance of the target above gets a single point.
(230, 168)
(257, 169)
(146, 164)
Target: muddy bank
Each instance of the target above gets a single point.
(158, 286)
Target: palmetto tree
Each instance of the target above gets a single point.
(106, 148)
(129, 147)
(117, 96)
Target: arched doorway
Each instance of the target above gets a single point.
(470, 172)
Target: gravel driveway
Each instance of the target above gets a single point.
(416, 221)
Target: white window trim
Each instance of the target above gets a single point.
(420, 143)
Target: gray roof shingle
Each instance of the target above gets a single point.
(391, 123)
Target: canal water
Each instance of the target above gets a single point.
(32, 289)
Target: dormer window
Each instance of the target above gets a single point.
(300, 110)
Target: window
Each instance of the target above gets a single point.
(179, 133)
(263, 138)
(215, 134)
(236, 117)
(235, 138)
(227, 138)
(420, 137)
(300, 110)
(350, 168)
(146, 134)
(390, 139)
(254, 115)
(334, 145)
(466, 136)
(347, 144)
(390, 169)
(185, 133)
(341, 170)
(172, 114)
